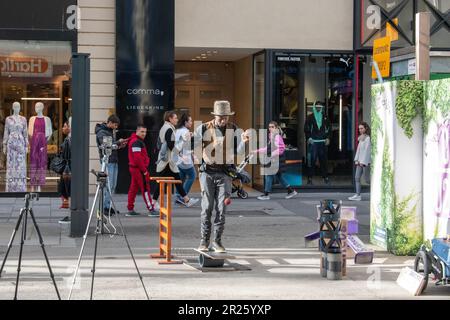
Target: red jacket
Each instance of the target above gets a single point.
(137, 153)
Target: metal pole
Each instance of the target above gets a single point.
(80, 143)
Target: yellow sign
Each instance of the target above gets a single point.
(391, 32)
(382, 56)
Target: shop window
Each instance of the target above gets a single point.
(313, 103)
(32, 73)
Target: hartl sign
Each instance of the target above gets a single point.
(20, 66)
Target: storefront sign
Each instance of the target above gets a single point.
(25, 67)
(382, 56)
(289, 59)
(48, 15)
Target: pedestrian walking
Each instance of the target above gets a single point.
(169, 150)
(185, 161)
(362, 159)
(138, 162)
(217, 162)
(65, 178)
(276, 160)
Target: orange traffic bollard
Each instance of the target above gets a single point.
(165, 220)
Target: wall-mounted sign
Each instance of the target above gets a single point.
(391, 32)
(412, 66)
(25, 66)
(382, 56)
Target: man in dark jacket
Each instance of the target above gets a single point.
(107, 129)
(138, 162)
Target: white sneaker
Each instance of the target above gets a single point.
(291, 195)
(355, 198)
(190, 203)
(263, 197)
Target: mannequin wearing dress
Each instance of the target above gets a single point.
(39, 131)
(15, 144)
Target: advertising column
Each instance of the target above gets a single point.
(396, 191)
(144, 71)
(436, 161)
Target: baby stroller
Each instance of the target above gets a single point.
(240, 177)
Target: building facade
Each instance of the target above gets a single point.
(274, 60)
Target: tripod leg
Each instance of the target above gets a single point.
(131, 251)
(41, 241)
(11, 240)
(97, 231)
(84, 241)
(22, 241)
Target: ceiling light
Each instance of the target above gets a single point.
(215, 51)
(43, 99)
(203, 54)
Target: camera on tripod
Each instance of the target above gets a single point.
(108, 146)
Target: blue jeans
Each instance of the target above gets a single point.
(188, 177)
(112, 169)
(269, 182)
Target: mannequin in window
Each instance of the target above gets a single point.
(317, 133)
(15, 144)
(39, 131)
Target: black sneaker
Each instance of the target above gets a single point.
(204, 245)
(132, 213)
(108, 212)
(218, 247)
(64, 220)
(153, 214)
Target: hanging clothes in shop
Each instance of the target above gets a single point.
(38, 153)
(15, 140)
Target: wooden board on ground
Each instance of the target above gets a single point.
(216, 256)
(228, 267)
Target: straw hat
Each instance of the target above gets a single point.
(222, 108)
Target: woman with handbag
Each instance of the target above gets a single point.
(64, 181)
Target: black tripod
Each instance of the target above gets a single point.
(23, 217)
(102, 185)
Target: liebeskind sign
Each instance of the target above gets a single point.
(25, 67)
